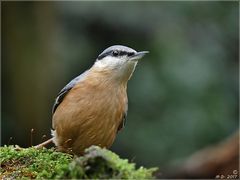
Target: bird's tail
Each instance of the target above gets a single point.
(44, 143)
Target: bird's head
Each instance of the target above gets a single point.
(119, 60)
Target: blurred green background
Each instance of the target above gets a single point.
(183, 96)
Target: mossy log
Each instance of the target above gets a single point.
(96, 163)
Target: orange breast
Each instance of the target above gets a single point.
(90, 114)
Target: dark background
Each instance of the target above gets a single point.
(183, 96)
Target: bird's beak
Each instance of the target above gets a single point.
(138, 55)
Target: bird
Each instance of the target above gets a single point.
(92, 108)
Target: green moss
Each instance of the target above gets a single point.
(30, 162)
(96, 163)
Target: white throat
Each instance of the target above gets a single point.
(120, 68)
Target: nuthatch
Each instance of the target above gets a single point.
(92, 108)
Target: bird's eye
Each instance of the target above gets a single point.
(115, 53)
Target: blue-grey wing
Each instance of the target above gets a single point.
(66, 89)
(123, 122)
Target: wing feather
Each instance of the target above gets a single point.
(124, 119)
(66, 89)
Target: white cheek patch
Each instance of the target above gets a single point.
(109, 62)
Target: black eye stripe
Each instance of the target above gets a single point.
(114, 53)
(130, 53)
(101, 56)
(122, 53)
